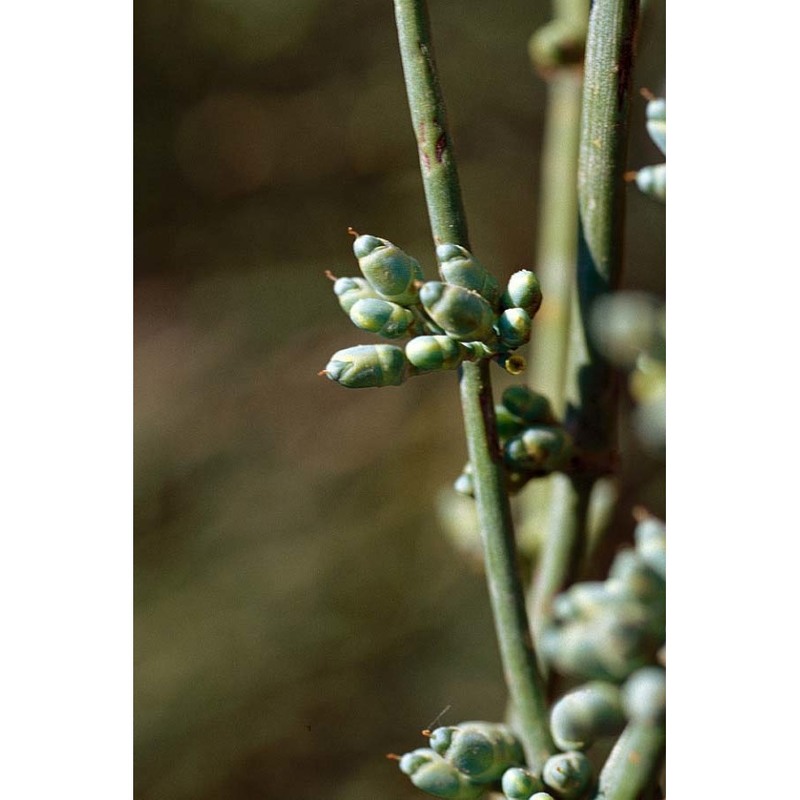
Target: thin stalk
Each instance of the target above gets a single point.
(601, 201)
(555, 509)
(448, 224)
(593, 386)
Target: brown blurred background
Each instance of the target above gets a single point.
(299, 612)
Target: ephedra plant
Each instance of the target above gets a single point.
(552, 440)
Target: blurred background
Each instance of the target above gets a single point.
(298, 611)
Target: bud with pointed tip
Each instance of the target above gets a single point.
(368, 365)
(390, 271)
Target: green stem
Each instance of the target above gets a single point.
(555, 508)
(448, 224)
(601, 200)
(633, 764)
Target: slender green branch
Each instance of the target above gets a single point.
(601, 199)
(556, 508)
(633, 764)
(592, 385)
(448, 224)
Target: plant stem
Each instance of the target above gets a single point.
(555, 509)
(448, 224)
(601, 200)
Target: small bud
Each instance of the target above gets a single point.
(657, 122)
(391, 272)
(528, 405)
(350, 290)
(636, 578)
(568, 774)
(514, 327)
(462, 314)
(435, 352)
(523, 291)
(431, 773)
(652, 181)
(460, 268)
(382, 317)
(587, 714)
(368, 365)
(464, 484)
(519, 783)
(644, 696)
(651, 544)
(480, 750)
(539, 449)
(508, 424)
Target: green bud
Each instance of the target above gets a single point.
(459, 267)
(382, 317)
(523, 291)
(462, 314)
(587, 714)
(651, 544)
(350, 290)
(657, 122)
(514, 327)
(508, 424)
(542, 448)
(519, 783)
(636, 578)
(367, 365)
(652, 181)
(431, 773)
(390, 271)
(568, 774)
(644, 696)
(464, 484)
(435, 352)
(480, 750)
(528, 405)
(619, 638)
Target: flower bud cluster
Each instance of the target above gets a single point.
(463, 317)
(608, 630)
(533, 442)
(463, 761)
